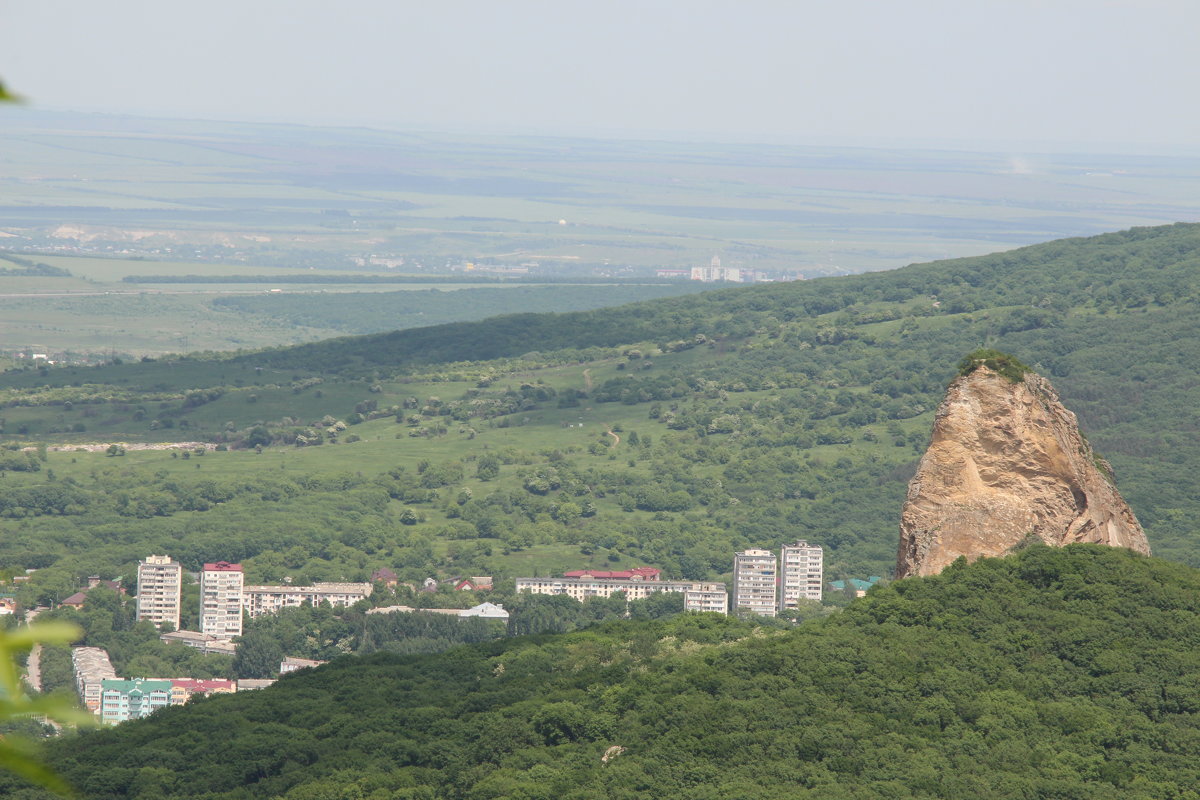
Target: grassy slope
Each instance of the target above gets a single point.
(1110, 320)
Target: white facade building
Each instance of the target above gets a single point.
(801, 573)
(754, 584)
(221, 600)
(160, 587)
(259, 600)
(696, 596)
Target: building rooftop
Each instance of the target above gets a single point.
(327, 588)
(222, 566)
(637, 573)
(197, 685)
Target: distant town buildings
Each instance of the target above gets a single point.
(637, 584)
(92, 668)
(123, 700)
(754, 582)
(766, 586)
(76, 600)
(484, 610)
(476, 583)
(259, 600)
(182, 689)
(160, 586)
(801, 574)
(715, 272)
(859, 586)
(221, 600)
(204, 642)
(291, 664)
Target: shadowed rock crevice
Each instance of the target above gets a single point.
(1007, 460)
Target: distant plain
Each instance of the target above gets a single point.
(115, 200)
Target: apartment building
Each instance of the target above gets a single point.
(221, 600)
(259, 600)
(182, 689)
(754, 582)
(712, 597)
(160, 586)
(92, 668)
(801, 573)
(123, 700)
(637, 584)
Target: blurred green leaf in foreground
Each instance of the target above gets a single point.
(16, 754)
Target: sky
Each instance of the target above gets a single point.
(1080, 73)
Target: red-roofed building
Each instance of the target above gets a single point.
(94, 581)
(635, 574)
(386, 577)
(76, 600)
(183, 688)
(482, 583)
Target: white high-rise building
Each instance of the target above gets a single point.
(159, 589)
(221, 600)
(801, 573)
(754, 585)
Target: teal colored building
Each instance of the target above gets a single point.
(860, 586)
(122, 700)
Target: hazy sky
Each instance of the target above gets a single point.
(1081, 72)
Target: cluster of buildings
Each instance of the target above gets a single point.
(765, 584)
(713, 272)
(116, 700)
(637, 584)
(224, 597)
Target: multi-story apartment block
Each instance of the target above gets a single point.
(125, 700)
(160, 586)
(712, 597)
(754, 589)
(801, 573)
(637, 584)
(182, 689)
(92, 668)
(259, 600)
(221, 600)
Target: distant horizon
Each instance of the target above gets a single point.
(993, 146)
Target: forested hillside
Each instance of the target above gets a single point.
(668, 433)
(1050, 673)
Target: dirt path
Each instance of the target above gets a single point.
(587, 380)
(616, 439)
(92, 447)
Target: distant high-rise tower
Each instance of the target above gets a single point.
(754, 582)
(716, 262)
(801, 573)
(160, 586)
(221, 599)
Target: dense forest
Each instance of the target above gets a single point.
(1061, 673)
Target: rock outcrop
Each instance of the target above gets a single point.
(1007, 461)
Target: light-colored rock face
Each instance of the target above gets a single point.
(1006, 461)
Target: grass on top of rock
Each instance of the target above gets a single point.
(1000, 363)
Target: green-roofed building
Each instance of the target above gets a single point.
(122, 700)
(858, 584)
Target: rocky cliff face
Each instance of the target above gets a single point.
(1007, 461)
